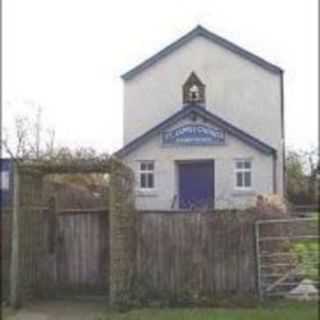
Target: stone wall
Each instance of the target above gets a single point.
(6, 216)
(27, 238)
(122, 232)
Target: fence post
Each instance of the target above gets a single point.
(52, 225)
(258, 260)
(15, 290)
(51, 221)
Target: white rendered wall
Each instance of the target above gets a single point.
(237, 90)
(226, 196)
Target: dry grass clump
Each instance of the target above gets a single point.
(271, 206)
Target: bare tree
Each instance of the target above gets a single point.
(29, 139)
(302, 175)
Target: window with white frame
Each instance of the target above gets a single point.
(146, 173)
(243, 173)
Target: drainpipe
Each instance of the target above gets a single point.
(274, 173)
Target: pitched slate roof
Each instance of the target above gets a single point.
(205, 114)
(201, 31)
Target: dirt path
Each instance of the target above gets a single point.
(59, 310)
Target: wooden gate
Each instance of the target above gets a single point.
(78, 246)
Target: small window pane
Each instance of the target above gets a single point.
(150, 180)
(143, 180)
(239, 164)
(247, 164)
(150, 166)
(143, 166)
(239, 179)
(247, 179)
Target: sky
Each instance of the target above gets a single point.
(67, 56)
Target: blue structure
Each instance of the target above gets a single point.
(193, 135)
(6, 186)
(201, 175)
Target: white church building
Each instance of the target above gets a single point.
(203, 126)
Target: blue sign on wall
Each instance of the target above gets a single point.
(193, 135)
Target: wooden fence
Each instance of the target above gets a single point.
(5, 252)
(70, 257)
(32, 250)
(177, 252)
(196, 252)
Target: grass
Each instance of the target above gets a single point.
(7, 313)
(274, 311)
(284, 311)
(307, 252)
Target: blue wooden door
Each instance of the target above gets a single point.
(196, 185)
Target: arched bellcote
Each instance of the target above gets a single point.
(193, 90)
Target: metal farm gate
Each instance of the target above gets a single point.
(287, 256)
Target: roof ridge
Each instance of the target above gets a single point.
(199, 30)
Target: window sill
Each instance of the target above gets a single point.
(243, 192)
(147, 193)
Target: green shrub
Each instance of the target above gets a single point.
(307, 252)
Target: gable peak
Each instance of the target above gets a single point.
(199, 30)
